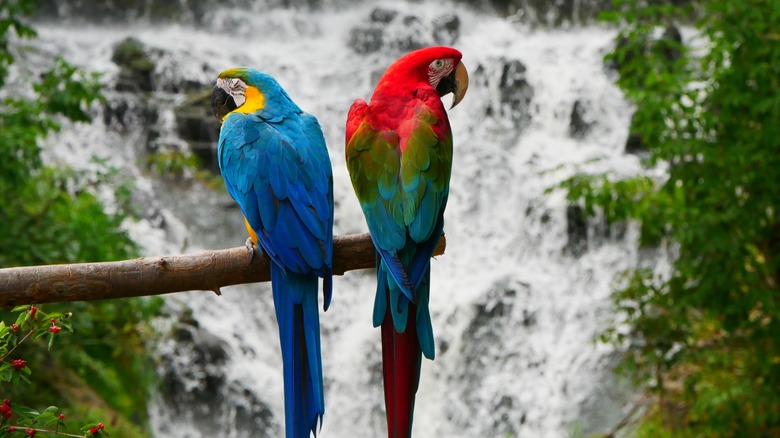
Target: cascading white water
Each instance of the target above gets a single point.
(515, 308)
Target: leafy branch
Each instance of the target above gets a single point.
(32, 324)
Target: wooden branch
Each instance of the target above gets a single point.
(205, 270)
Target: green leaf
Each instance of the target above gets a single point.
(25, 411)
(6, 373)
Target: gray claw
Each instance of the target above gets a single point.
(251, 246)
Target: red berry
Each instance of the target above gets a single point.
(12, 429)
(6, 401)
(100, 426)
(14, 327)
(31, 432)
(8, 414)
(53, 320)
(62, 416)
(19, 363)
(33, 310)
(93, 431)
(54, 329)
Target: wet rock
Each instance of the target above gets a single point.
(387, 30)
(196, 124)
(487, 324)
(498, 315)
(605, 231)
(446, 29)
(145, 205)
(507, 110)
(549, 13)
(504, 410)
(479, 77)
(366, 39)
(206, 357)
(127, 113)
(126, 11)
(178, 85)
(93, 11)
(585, 232)
(490, 318)
(579, 126)
(195, 387)
(577, 230)
(382, 15)
(609, 403)
(136, 66)
(670, 43)
(515, 92)
(634, 143)
(413, 34)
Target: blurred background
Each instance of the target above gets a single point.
(612, 260)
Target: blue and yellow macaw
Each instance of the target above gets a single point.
(275, 164)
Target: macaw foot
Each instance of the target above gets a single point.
(251, 246)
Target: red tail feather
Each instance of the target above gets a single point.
(401, 358)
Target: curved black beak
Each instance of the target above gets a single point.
(222, 103)
(456, 83)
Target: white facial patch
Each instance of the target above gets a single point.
(439, 69)
(235, 87)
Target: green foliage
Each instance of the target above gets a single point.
(182, 165)
(10, 11)
(32, 324)
(705, 339)
(52, 215)
(172, 163)
(102, 370)
(49, 215)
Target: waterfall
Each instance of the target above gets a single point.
(525, 281)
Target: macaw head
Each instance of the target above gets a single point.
(438, 66)
(246, 90)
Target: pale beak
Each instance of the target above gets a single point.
(461, 84)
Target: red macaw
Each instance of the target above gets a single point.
(399, 156)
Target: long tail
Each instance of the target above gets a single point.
(295, 300)
(406, 335)
(401, 360)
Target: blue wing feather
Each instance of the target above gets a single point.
(273, 190)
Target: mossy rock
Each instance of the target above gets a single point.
(136, 66)
(196, 124)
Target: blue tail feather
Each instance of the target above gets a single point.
(380, 302)
(423, 317)
(327, 287)
(295, 301)
(400, 307)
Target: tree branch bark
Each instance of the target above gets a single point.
(205, 270)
